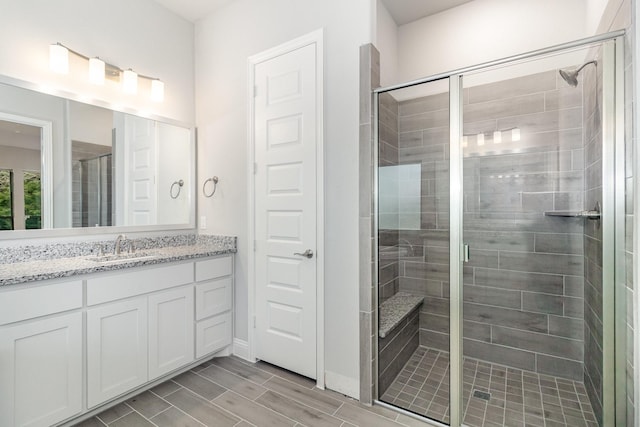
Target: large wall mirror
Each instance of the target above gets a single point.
(70, 165)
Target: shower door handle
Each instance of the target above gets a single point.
(466, 253)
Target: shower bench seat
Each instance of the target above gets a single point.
(399, 323)
(395, 309)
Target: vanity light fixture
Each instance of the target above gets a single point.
(59, 59)
(157, 90)
(96, 71)
(99, 70)
(130, 82)
(497, 137)
(480, 139)
(515, 134)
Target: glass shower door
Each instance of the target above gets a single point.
(413, 249)
(535, 210)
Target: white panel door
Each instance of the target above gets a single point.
(41, 371)
(140, 152)
(116, 349)
(285, 210)
(171, 331)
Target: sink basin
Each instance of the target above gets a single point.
(112, 258)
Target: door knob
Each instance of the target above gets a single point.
(307, 254)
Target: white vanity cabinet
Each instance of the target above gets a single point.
(214, 296)
(144, 330)
(72, 347)
(116, 349)
(40, 354)
(171, 337)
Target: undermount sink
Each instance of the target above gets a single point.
(111, 258)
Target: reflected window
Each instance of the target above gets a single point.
(32, 200)
(6, 193)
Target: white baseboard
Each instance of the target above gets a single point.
(241, 349)
(342, 384)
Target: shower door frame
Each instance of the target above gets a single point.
(613, 223)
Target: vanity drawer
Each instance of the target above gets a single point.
(213, 334)
(28, 303)
(213, 297)
(214, 268)
(117, 286)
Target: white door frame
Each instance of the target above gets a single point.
(315, 37)
(46, 163)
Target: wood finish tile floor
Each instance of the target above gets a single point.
(494, 395)
(230, 392)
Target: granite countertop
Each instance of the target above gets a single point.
(30, 264)
(395, 309)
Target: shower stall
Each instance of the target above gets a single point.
(500, 237)
(96, 191)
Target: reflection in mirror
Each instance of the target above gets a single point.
(19, 176)
(91, 163)
(66, 164)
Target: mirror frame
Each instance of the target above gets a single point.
(47, 169)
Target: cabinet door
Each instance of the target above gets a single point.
(213, 334)
(116, 349)
(170, 330)
(41, 371)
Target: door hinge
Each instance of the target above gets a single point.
(255, 245)
(255, 168)
(255, 91)
(254, 322)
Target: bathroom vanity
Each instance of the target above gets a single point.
(81, 333)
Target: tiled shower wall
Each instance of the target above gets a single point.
(523, 298)
(388, 276)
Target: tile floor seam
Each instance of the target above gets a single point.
(143, 417)
(265, 407)
(124, 403)
(187, 414)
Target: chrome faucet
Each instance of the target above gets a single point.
(118, 245)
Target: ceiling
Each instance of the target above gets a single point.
(402, 11)
(192, 10)
(405, 11)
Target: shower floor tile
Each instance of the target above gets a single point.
(494, 395)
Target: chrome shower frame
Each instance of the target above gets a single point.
(613, 223)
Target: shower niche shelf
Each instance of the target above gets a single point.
(592, 214)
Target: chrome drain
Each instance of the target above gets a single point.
(481, 395)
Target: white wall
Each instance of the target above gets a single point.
(387, 44)
(139, 34)
(224, 41)
(91, 124)
(595, 10)
(174, 164)
(485, 30)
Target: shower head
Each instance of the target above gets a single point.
(571, 77)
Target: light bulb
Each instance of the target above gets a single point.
(157, 90)
(480, 139)
(130, 82)
(515, 134)
(59, 59)
(96, 71)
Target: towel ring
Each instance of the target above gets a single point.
(179, 184)
(215, 186)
